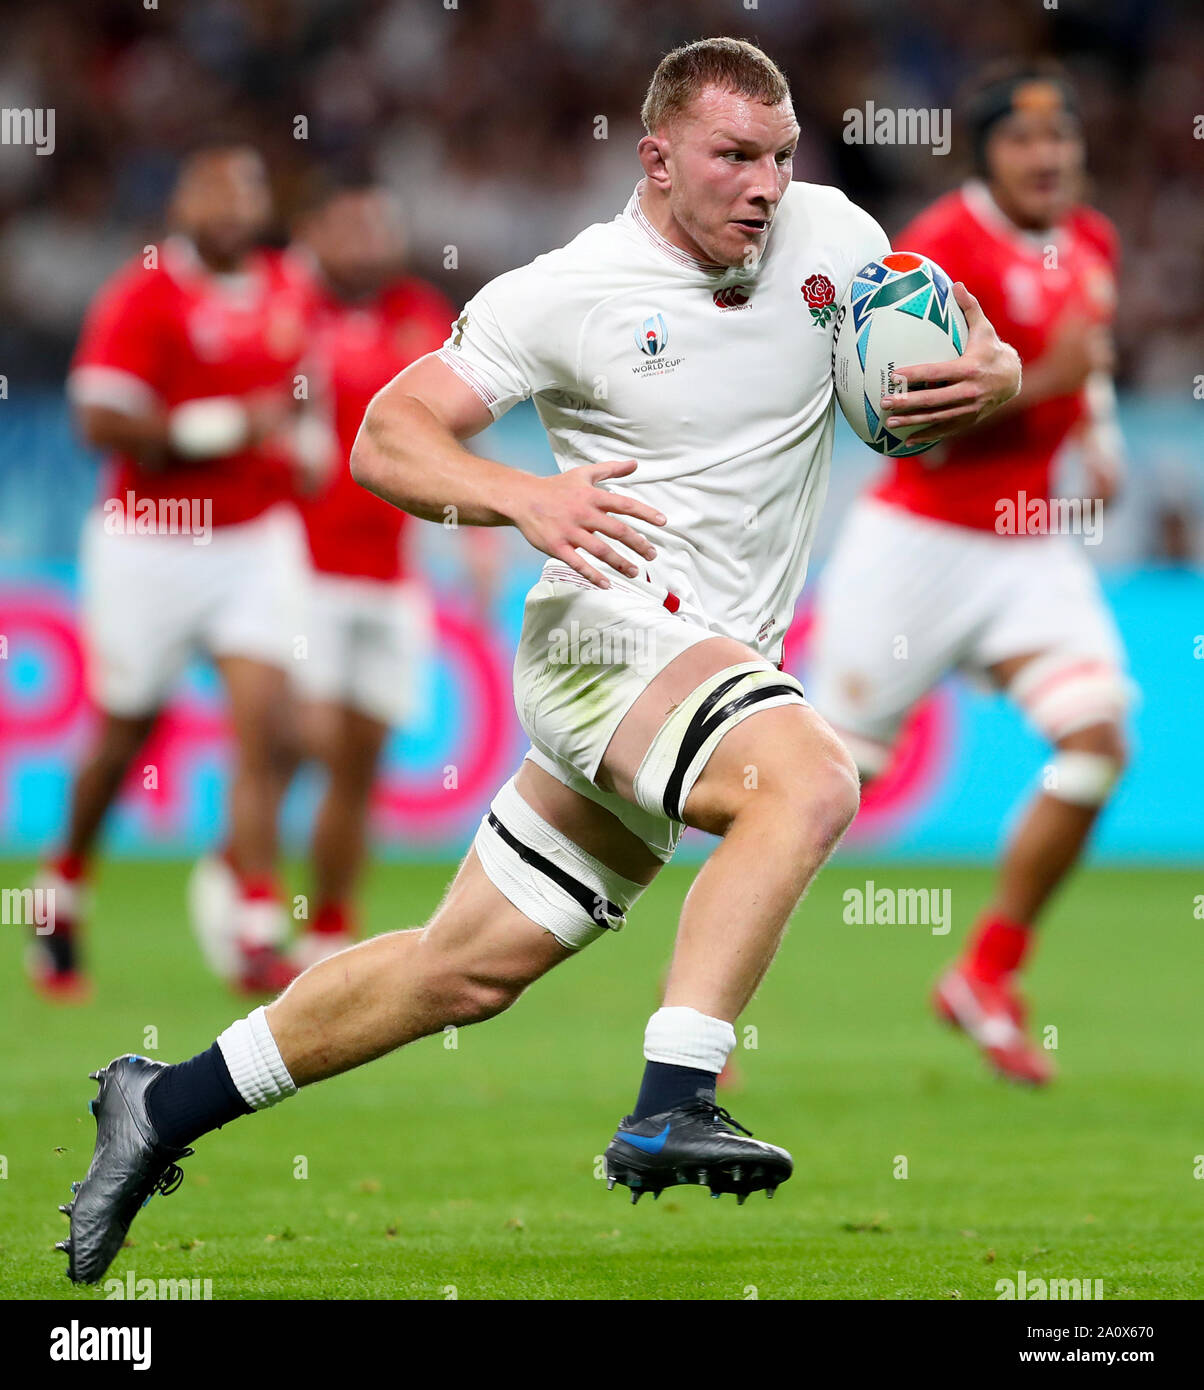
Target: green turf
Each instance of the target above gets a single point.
(473, 1169)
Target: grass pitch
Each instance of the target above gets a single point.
(471, 1170)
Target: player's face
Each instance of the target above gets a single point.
(358, 241)
(729, 163)
(224, 204)
(1035, 162)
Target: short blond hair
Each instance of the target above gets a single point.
(733, 65)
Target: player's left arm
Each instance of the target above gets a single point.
(1103, 445)
(949, 398)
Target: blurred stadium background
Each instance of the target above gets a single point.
(483, 118)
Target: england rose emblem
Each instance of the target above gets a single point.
(820, 294)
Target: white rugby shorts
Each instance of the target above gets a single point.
(367, 644)
(152, 602)
(584, 657)
(905, 599)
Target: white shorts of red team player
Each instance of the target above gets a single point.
(153, 602)
(905, 599)
(368, 644)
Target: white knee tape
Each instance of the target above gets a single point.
(1080, 778)
(1061, 693)
(679, 752)
(544, 874)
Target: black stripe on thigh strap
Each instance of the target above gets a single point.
(702, 727)
(574, 887)
(700, 715)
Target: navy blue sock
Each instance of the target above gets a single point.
(193, 1097)
(666, 1086)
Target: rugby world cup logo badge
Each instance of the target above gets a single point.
(652, 337)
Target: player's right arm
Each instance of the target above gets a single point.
(194, 431)
(408, 451)
(117, 378)
(142, 435)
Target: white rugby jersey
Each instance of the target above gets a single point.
(716, 381)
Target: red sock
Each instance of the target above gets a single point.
(255, 888)
(331, 919)
(72, 867)
(997, 948)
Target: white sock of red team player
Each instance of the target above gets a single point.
(61, 883)
(260, 918)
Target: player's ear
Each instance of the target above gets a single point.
(653, 151)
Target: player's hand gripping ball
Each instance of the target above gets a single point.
(897, 312)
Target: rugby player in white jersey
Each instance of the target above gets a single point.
(686, 392)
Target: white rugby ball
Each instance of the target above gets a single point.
(896, 312)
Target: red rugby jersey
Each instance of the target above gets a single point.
(362, 347)
(1006, 270)
(179, 332)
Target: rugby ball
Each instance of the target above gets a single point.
(896, 312)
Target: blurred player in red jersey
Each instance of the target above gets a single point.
(184, 376)
(366, 619)
(368, 616)
(957, 550)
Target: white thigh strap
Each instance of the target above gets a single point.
(544, 874)
(679, 752)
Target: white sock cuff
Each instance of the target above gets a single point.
(254, 1061)
(261, 922)
(682, 1037)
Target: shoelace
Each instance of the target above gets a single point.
(717, 1112)
(172, 1176)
